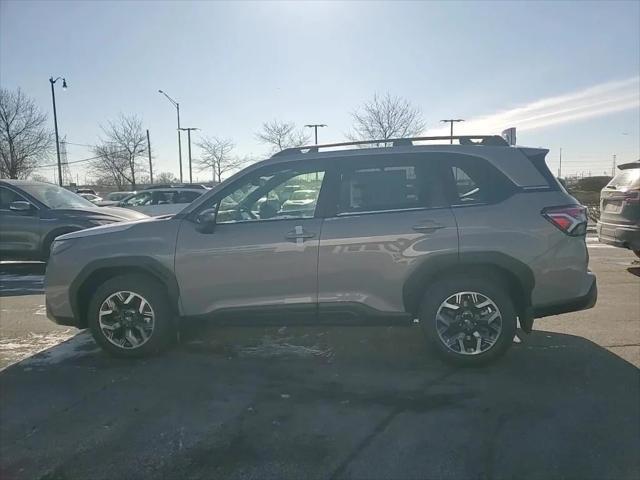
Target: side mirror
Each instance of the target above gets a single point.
(206, 220)
(20, 206)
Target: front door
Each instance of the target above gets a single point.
(19, 231)
(261, 260)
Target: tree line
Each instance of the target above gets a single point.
(121, 156)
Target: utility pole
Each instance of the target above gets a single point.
(55, 122)
(149, 153)
(315, 127)
(188, 130)
(452, 121)
(613, 169)
(560, 167)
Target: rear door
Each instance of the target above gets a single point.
(390, 217)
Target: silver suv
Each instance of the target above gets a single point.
(464, 239)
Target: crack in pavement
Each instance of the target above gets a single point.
(379, 428)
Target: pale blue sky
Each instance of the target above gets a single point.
(575, 66)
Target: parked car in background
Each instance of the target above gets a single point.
(161, 201)
(85, 190)
(468, 239)
(113, 198)
(300, 200)
(196, 186)
(33, 214)
(619, 222)
(95, 199)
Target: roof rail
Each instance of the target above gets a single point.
(486, 140)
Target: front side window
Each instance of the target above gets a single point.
(380, 188)
(279, 195)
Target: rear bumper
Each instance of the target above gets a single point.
(626, 236)
(574, 305)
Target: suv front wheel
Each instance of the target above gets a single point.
(469, 320)
(130, 316)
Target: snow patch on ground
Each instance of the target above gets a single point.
(270, 347)
(37, 349)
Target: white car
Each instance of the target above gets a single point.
(161, 201)
(114, 198)
(300, 200)
(95, 199)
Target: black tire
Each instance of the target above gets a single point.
(489, 287)
(155, 295)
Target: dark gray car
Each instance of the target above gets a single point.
(619, 223)
(33, 214)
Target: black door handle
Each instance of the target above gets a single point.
(427, 227)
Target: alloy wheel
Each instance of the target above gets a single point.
(126, 319)
(468, 323)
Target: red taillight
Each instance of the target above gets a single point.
(571, 219)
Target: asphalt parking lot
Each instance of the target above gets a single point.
(323, 402)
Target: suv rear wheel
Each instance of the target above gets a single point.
(469, 321)
(130, 316)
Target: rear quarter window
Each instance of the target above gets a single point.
(474, 181)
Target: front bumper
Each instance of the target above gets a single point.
(625, 236)
(61, 320)
(574, 305)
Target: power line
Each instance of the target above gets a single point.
(84, 159)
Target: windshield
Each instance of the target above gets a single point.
(628, 178)
(56, 197)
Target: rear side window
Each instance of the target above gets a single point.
(371, 189)
(474, 181)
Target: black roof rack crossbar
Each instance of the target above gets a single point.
(487, 140)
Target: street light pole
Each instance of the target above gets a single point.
(452, 121)
(188, 130)
(55, 122)
(177, 105)
(315, 127)
(149, 153)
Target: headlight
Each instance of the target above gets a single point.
(60, 246)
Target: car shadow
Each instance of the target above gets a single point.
(21, 278)
(634, 271)
(321, 403)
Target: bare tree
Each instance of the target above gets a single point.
(24, 140)
(217, 155)
(39, 178)
(386, 117)
(280, 135)
(166, 177)
(122, 152)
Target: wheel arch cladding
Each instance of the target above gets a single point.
(96, 273)
(514, 275)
